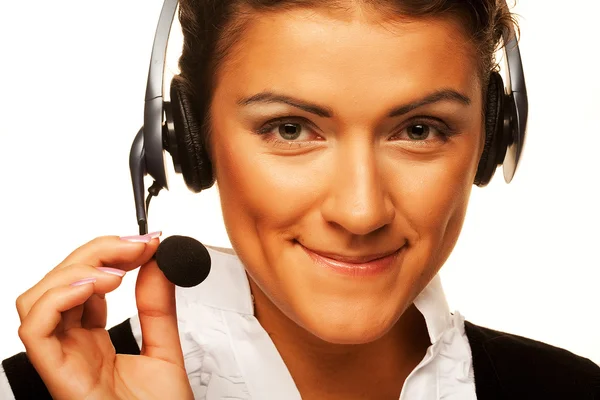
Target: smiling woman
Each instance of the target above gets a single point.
(362, 184)
(345, 137)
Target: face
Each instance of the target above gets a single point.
(345, 149)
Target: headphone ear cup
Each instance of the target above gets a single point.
(494, 120)
(195, 163)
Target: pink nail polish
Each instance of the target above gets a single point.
(153, 235)
(136, 238)
(112, 271)
(84, 282)
(142, 238)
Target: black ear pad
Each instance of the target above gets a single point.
(193, 156)
(494, 120)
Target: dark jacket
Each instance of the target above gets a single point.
(506, 367)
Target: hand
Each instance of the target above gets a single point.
(63, 326)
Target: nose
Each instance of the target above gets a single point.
(357, 199)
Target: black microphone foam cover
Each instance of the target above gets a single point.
(183, 260)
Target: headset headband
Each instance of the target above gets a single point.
(147, 155)
(517, 92)
(153, 111)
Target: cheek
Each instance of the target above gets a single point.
(433, 197)
(262, 193)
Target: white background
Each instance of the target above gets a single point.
(72, 82)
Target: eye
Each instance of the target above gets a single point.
(290, 131)
(418, 131)
(423, 131)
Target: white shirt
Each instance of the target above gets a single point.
(228, 355)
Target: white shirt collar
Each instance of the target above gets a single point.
(227, 287)
(431, 302)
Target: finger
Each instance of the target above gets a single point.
(94, 312)
(90, 315)
(128, 252)
(100, 252)
(38, 330)
(71, 318)
(155, 297)
(106, 281)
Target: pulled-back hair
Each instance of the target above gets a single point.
(212, 27)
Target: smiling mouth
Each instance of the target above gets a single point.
(369, 265)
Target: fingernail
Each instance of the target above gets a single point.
(112, 271)
(142, 238)
(84, 282)
(153, 235)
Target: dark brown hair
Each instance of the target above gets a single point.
(212, 27)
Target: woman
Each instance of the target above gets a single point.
(345, 137)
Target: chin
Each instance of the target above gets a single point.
(354, 324)
(340, 309)
(354, 334)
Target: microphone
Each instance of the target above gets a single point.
(184, 261)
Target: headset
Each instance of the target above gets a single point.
(171, 126)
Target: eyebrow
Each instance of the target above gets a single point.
(267, 97)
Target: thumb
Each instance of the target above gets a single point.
(155, 298)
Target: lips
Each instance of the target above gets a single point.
(359, 265)
(353, 259)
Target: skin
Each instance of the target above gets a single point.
(357, 182)
(353, 183)
(63, 326)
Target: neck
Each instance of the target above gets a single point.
(328, 371)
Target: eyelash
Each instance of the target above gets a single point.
(274, 123)
(443, 129)
(265, 131)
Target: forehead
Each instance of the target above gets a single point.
(313, 52)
